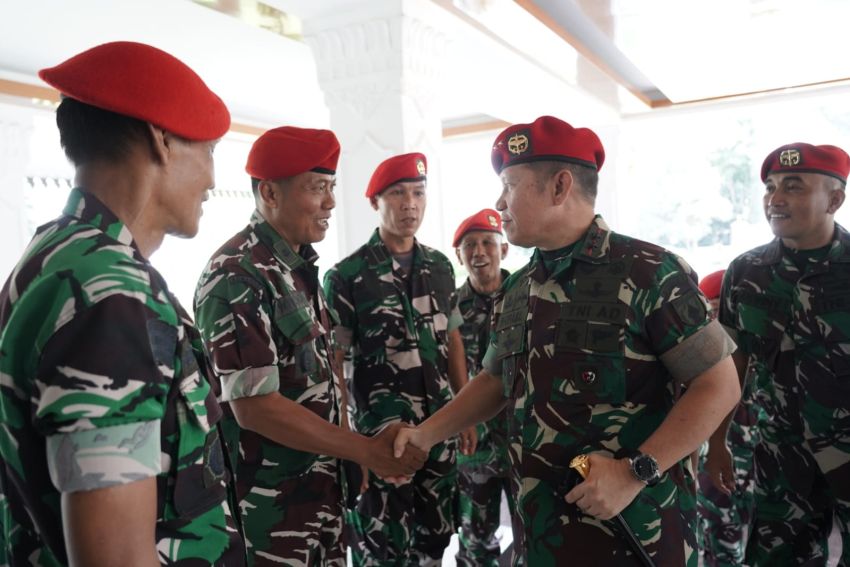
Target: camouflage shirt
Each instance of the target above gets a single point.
(267, 327)
(793, 323)
(397, 326)
(102, 383)
(491, 456)
(589, 342)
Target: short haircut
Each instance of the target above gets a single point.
(89, 134)
(587, 177)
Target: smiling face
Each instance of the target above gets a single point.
(299, 208)
(481, 253)
(401, 207)
(800, 208)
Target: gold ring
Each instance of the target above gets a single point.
(581, 464)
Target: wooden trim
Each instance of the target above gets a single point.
(532, 8)
(25, 90)
(30, 92)
(449, 131)
(722, 98)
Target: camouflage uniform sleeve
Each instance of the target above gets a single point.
(100, 395)
(728, 309)
(236, 325)
(679, 326)
(340, 301)
(490, 363)
(455, 318)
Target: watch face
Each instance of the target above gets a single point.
(645, 468)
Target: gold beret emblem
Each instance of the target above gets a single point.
(420, 167)
(517, 144)
(788, 158)
(492, 220)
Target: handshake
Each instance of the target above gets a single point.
(400, 449)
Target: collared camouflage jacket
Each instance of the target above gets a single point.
(794, 328)
(491, 454)
(398, 328)
(588, 345)
(103, 382)
(267, 327)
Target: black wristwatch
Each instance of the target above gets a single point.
(645, 468)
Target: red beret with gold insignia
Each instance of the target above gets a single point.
(485, 219)
(142, 82)
(547, 139)
(287, 151)
(397, 169)
(806, 158)
(710, 284)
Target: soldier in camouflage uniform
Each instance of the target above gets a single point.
(267, 326)
(111, 451)
(589, 341)
(482, 476)
(398, 316)
(725, 511)
(786, 303)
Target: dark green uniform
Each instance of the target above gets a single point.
(790, 312)
(725, 521)
(265, 322)
(482, 476)
(103, 382)
(397, 326)
(589, 341)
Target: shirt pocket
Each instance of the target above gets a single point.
(201, 473)
(297, 329)
(588, 365)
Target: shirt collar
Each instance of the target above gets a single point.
(593, 247)
(379, 254)
(284, 253)
(88, 209)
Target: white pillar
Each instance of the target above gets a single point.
(380, 67)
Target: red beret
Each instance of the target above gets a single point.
(710, 284)
(547, 139)
(806, 158)
(287, 151)
(397, 169)
(142, 82)
(485, 219)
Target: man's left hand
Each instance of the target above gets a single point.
(608, 488)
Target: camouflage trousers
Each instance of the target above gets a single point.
(408, 525)
(801, 499)
(479, 508)
(298, 524)
(725, 521)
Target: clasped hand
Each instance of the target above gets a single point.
(383, 461)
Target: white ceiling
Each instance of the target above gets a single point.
(622, 55)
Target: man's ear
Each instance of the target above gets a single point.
(459, 258)
(160, 143)
(373, 200)
(504, 249)
(836, 199)
(269, 193)
(563, 186)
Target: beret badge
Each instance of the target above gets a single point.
(492, 220)
(420, 167)
(518, 144)
(789, 157)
